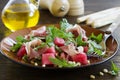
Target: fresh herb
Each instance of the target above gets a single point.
(16, 47)
(25, 58)
(80, 42)
(94, 44)
(70, 40)
(49, 40)
(91, 49)
(114, 68)
(55, 32)
(97, 38)
(63, 63)
(98, 52)
(58, 49)
(64, 24)
(42, 45)
(20, 40)
(94, 48)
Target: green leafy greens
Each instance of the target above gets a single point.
(94, 48)
(16, 47)
(97, 38)
(114, 68)
(55, 32)
(64, 24)
(62, 63)
(80, 42)
(20, 40)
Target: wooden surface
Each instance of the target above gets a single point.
(13, 71)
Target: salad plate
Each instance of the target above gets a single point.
(111, 49)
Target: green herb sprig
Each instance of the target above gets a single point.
(97, 38)
(114, 68)
(19, 41)
(63, 63)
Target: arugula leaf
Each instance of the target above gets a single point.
(97, 38)
(94, 48)
(114, 68)
(64, 24)
(20, 40)
(62, 63)
(94, 44)
(98, 51)
(69, 40)
(49, 39)
(16, 47)
(40, 46)
(91, 49)
(55, 32)
(80, 42)
(58, 49)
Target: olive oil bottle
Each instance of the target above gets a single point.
(19, 14)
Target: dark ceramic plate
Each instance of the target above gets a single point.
(111, 44)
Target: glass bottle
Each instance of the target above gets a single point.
(19, 14)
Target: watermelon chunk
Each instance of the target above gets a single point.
(46, 58)
(21, 52)
(81, 57)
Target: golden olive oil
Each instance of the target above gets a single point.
(19, 16)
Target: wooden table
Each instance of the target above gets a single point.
(13, 71)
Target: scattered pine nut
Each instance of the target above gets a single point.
(105, 70)
(101, 73)
(36, 64)
(88, 61)
(92, 76)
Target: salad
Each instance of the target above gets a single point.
(49, 46)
